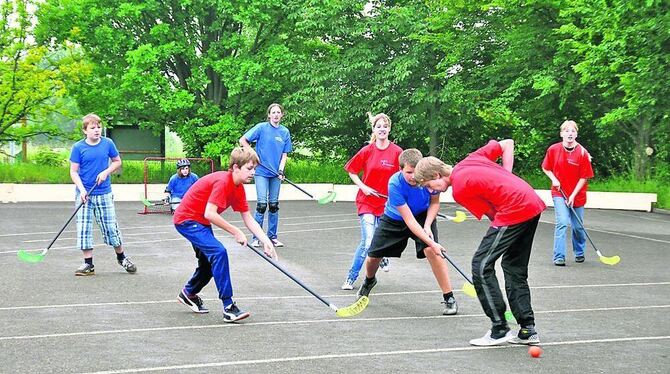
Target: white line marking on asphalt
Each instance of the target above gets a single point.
(294, 297)
(617, 233)
(180, 238)
(308, 322)
(372, 354)
(334, 296)
(166, 226)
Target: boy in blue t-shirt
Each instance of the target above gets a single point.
(273, 143)
(90, 165)
(410, 212)
(179, 183)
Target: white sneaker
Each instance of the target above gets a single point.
(256, 243)
(385, 265)
(277, 243)
(348, 285)
(486, 340)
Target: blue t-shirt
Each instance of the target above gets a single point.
(177, 186)
(417, 198)
(271, 143)
(93, 159)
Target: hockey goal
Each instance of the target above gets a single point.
(157, 173)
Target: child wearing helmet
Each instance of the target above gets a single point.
(179, 183)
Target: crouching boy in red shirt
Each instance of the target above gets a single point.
(199, 209)
(484, 187)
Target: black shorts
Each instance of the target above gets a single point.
(390, 238)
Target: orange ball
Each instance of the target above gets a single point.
(535, 351)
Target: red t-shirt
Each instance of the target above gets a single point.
(216, 188)
(482, 186)
(377, 165)
(569, 167)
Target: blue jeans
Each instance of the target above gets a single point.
(212, 261)
(564, 217)
(267, 192)
(369, 223)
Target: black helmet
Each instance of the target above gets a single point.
(183, 163)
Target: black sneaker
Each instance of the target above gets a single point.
(450, 307)
(579, 259)
(85, 269)
(194, 303)
(366, 287)
(233, 313)
(527, 335)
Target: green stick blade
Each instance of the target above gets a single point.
(469, 290)
(29, 257)
(610, 260)
(328, 198)
(355, 308)
(460, 217)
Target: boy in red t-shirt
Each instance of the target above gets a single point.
(484, 187)
(199, 209)
(568, 165)
(378, 161)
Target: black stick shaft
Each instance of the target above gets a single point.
(72, 216)
(446, 256)
(288, 181)
(293, 278)
(580, 221)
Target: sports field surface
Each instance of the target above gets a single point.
(591, 317)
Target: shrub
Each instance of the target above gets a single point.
(48, 157)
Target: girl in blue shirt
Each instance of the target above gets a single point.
(273, 143)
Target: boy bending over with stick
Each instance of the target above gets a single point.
(410, 212)
(483, 187)
(200, 208)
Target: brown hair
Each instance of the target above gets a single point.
(275, 105)
(90, 119)
(240, 156)
(430, 168)
(409, 157)
(373, 121)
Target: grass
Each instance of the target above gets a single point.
(298, 171)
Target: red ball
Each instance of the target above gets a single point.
(535, 351)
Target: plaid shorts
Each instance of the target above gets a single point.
(102, 208)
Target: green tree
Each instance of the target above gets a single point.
(32, 78)
(208, 69)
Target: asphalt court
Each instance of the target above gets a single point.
(591, 317)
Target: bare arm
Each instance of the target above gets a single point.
(554, 181)
(578, 187)
(282, 165)
(364, 187)
(215, 218)
(244, 142)
(255, 229)
(433, 208)
(113, 166)
(417, 230)
(76, 179)
(507, 146)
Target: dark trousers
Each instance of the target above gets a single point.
(514, 244)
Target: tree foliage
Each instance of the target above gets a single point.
(32, 77)
(450, 73)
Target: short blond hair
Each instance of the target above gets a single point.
(567, 123)
(430, 168)
(409, 157)
(373, 122)
(240, 156)
(90, 119)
